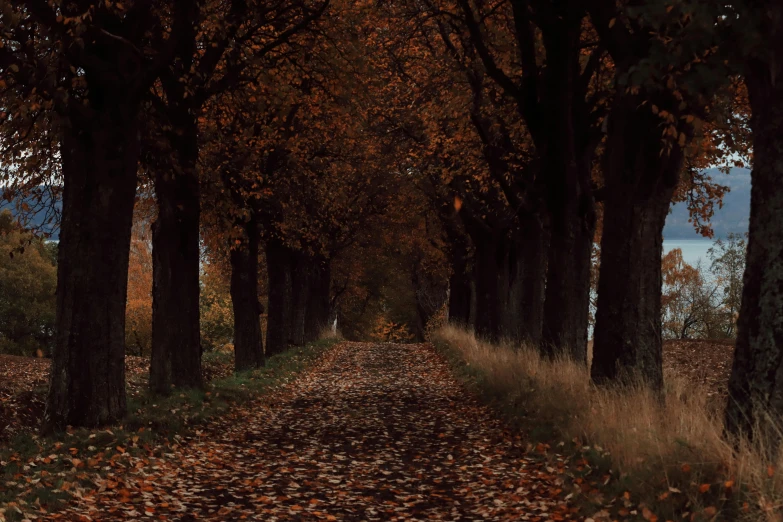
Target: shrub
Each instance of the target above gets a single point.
(28, 281)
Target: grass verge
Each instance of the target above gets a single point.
(633, 456)
(38, 473)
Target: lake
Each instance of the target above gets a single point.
(692, 250)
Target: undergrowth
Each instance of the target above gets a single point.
(633, 456)
(40, 472)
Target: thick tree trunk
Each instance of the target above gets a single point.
(300, 294)
(640, 182)
(509, 292)
(486, 274)
(567, 165)
(100, 159)
(473, 304)
(756, 383)
(567, 301)
(318, 302)
(459, 296)
(530, 278)
(278, 263)
(248, 344)
(507, 265)
(176, 341)
(460, 288)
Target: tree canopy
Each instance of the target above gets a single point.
(253, 172)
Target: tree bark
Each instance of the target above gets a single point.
(530, 280)
(567, 162)
(278, 261)
(100, 159)
(640, 182)
(460, 279)
(567, 301)
(300, 294)
(486, 275)
(318, 302)
(176, 337)
(248, 344)
(756, 383)
(460, 294)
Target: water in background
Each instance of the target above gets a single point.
(692, 250)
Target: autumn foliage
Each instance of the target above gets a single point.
(238, 176)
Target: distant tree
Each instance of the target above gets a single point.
(728, 266)
(138, 310)
(687, 301)
(28, 280)
(217, 320)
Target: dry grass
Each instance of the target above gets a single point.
(647, 440)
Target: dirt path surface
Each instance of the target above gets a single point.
(372, 432)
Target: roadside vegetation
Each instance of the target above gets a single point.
(632, 452)
(40, 472)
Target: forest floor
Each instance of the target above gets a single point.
(368, 432)
(24, 381)
(706, 363)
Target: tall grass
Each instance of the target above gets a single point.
(651, 443)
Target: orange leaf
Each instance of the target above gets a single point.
(704, 488)
(770, 471)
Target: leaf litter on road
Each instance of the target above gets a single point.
(370, 432)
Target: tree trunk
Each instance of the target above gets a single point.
(640, 182)
(176, 341)
(460, 288)
(567, 301)
(486, 274)
(318, 302)
(567, 163)
(530, 280)
(756, 383)
(100, 159)
(248, 345)
(300, 294)
(460, 295)
(278, 262)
